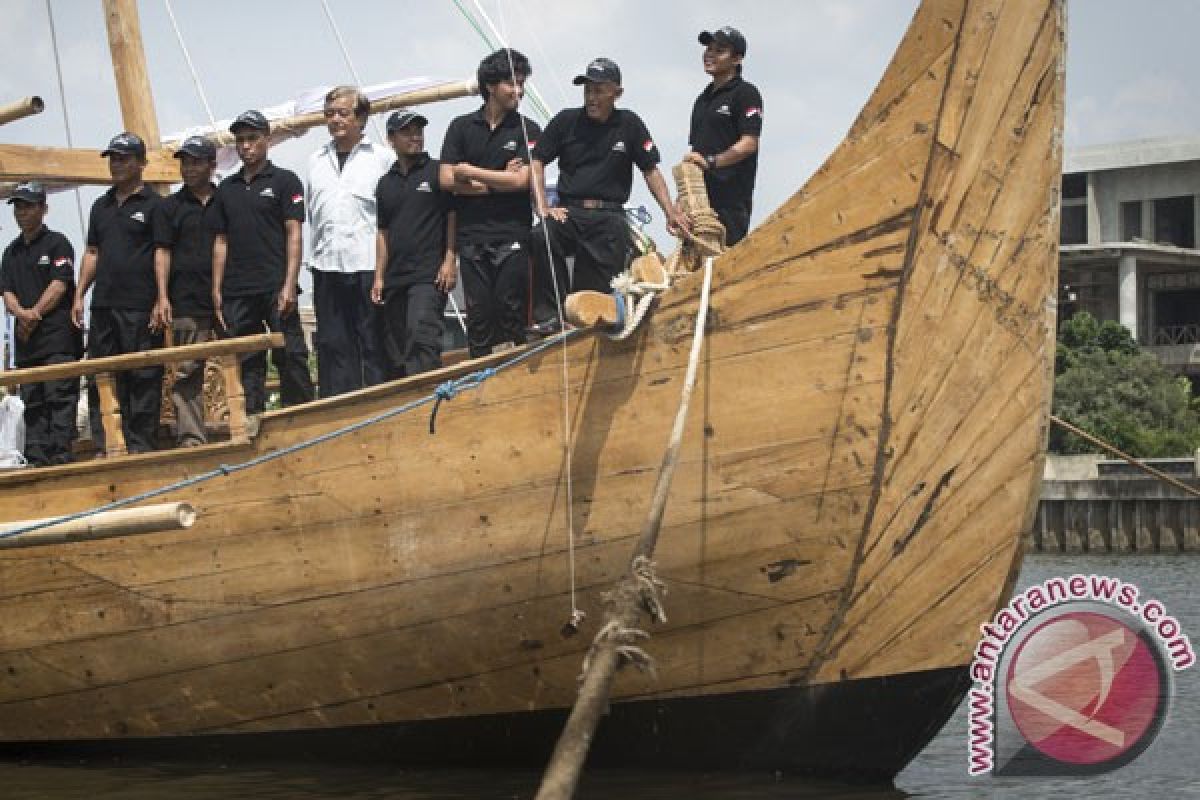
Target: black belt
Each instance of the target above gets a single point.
(592, 204)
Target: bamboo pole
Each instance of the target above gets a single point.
(129, 68)
(19, 109)
(145, 358)
(636, 591)
(104, 525)
(289, 127)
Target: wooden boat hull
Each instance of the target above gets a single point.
(862, 457)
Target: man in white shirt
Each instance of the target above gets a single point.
(340, 200)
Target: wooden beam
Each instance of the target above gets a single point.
(19, 109)
(58, 165)
(146, 358)
(129, 68)
(104, 525)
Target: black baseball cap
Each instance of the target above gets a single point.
(197, 147)
(31, 192)
(403, 118)
(125, 144)
(600, 71)
(726, 36)
(250, 119)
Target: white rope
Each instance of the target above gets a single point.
(212, 119)
(62, 99)
(337, 34)
(576, 613)
(555, 78)
(635, 310)
(530, 86)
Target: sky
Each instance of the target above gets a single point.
(1130, 68)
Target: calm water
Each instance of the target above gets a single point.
(1166, 770)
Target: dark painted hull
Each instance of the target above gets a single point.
(859, 730)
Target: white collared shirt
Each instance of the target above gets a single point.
(341, 206)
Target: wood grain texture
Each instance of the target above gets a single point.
(860, 464)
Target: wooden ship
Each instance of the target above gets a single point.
(863, 456)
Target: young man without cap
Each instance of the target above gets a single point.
(726, 125)
(485, 162)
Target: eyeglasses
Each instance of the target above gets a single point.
(343, 113)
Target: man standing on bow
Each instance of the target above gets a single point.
(37, 277)
(416, 267)
(257, 216)
(485, 162)
(119, 259)
(340, 200)
(726, 125)
(597, 147)
(183, 241)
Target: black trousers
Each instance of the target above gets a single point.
(50, 409)
(349, 337)
(601, 244)
(412, 317)
(495, 278)
(736, 221)
(250, 314)
(114, 332)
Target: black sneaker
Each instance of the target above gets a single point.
(546, 328)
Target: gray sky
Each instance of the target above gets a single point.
(1130, 67)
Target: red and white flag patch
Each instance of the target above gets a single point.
(297, 198)
(648, 145)
(753, 111)
(62, 261)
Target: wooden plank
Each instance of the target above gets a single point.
(145, 358)
(110, 414)
(20, 163)
(235, 396)
(129, 68)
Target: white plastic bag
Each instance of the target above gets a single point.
(12, 432)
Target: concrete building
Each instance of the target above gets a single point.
(1128, 246)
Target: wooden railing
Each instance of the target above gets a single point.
(105, 370)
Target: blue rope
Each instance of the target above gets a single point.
(446, 391)
(619, 325)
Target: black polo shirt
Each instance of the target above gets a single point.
(412, 212)
(495, 216)
(596, 158)
(182, 226)
(123, 235)
(719, 118)
(26, 270)
(252, 216)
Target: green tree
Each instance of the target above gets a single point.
(1105, 385)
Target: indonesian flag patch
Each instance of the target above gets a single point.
(648, 145)
(753, 111)
(62, 261)
(532, 143)
(297, 198)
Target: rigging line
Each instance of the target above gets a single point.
(568, 454)
(212, 119)
(337, 34)
(555, 79)
(62, 98)
(534, 94)
(474, 24)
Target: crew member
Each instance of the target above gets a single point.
(485, 161)
(257, 216)
(597, 147)
(183, 241)
(340, 200)
(119, 259)
(726, 125)
(416, 266)
(37, 278)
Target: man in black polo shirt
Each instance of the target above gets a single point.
(183, 267)
(257, 216)
(37, 275)
(416, 261)
(726, 125)
(485, 161)
(120, 260)
(597, 147)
